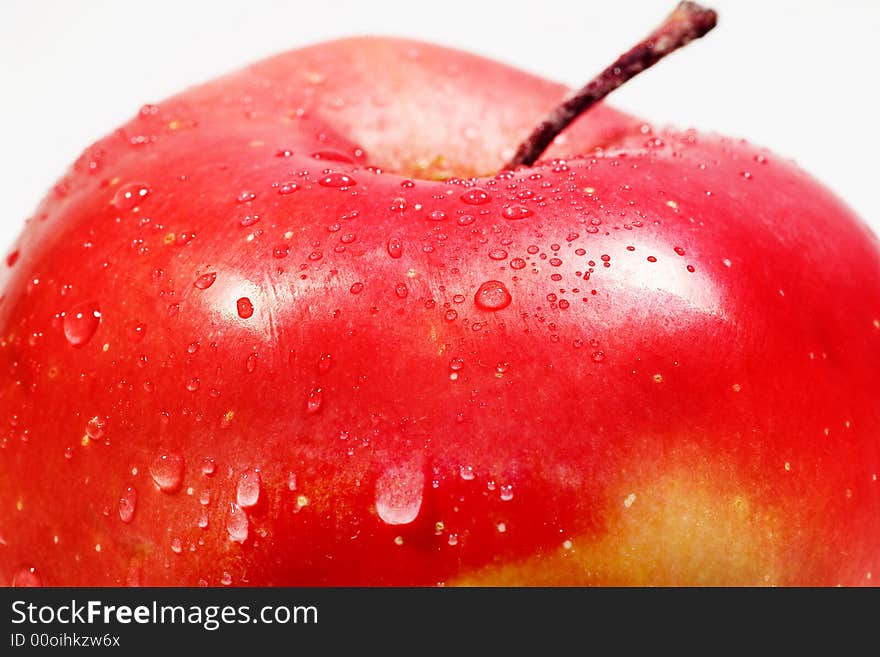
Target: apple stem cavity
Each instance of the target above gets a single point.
(687, 22)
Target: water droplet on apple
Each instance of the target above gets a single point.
(399, 492)
(237, 523)
(247, 493)
(395, 248)
(27, 577)
(517, 263)
(129, 196)
(209, 466)
(401, 290)
(245, 307)
(314, 400)
(167, 471)
(356, 288)
(437, 215)
(516, 212)
(475, 197)
(287, 188)
(245, 197)
(81, 322)
(506, 492)
(324, 362)
(96, 427)
(332, 156)
(336, 180)
(127, 504)
(492, 295)
(205, 281)
(466, 472)
(498, 254)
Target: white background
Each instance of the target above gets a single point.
(798, 76)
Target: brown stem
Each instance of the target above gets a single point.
(687, 22)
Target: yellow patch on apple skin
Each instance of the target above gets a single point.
(680, 528)
(433, 169)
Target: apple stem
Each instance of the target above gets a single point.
(687, 22)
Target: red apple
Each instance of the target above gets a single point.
(296, 326)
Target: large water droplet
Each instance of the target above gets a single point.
(209, 466)
(127, 504)
(395, 248)
(237, 523)
(96, 427)
(130, 195)
(247, 493)
(336, 180)
(475, 197)
(314, 400)
(516, 212)
(492, 295)
(81, 322)
(205, 281)
(399, 492)
(167, 471)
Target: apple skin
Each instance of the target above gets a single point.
(682, 387)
